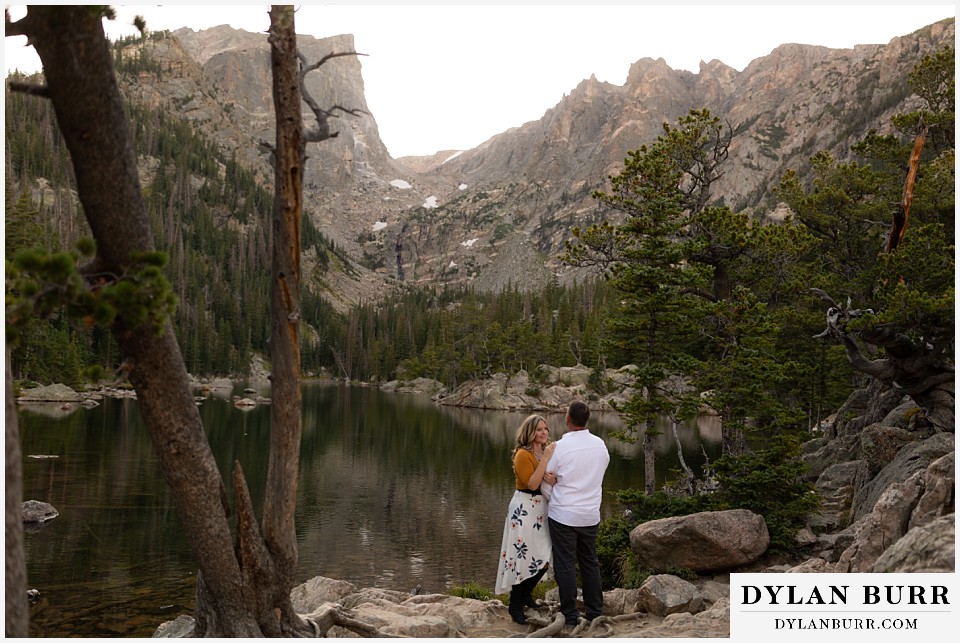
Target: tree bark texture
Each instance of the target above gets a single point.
(285, 411)
(86, 99)
(17, 611)
(916, 370)
(649, 459)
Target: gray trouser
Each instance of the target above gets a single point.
(574, 546)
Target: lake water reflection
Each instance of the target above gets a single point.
(394, 492)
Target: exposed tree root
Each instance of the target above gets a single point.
(550, 629)
(331, 614)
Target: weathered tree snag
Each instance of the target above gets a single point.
(279, 530)
(16, 610)
(902, 215)
(916, 369)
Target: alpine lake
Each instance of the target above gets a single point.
(394, 492)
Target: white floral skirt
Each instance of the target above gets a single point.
(526, 544)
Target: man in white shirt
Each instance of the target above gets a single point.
(573, 487)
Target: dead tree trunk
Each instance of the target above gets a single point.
(285, 411)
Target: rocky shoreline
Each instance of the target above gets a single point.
(550, 388)
(664, 607)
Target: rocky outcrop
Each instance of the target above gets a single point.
(701, 542)
(421, 385)
(52, 393)
(929, 548)
(551, 389)
(887, 483)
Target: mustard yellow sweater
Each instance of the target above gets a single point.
(524, 464)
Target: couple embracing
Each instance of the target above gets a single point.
(554, 515)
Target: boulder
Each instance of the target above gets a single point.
(426, 616)
(620, 601)
(665, 594)
(712, 591)
(880, 444)
(309, 596)
(927, 548)
(459, 613)
(702, 542)
(837, 486)
(179, 628)
(805, 538)
(36, 512)
(822, 453)
(833, 545)
(903, 416)
(937, 499)
(885, 525)
(52, 393)
(913, 457)
(569, 376)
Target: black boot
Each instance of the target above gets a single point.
(516, 605)
(527, 587)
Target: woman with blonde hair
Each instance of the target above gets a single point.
(526, 551)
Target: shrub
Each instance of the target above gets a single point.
(770, 483)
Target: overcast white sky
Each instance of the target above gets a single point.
(441, 77)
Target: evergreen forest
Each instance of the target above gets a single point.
(683, 285)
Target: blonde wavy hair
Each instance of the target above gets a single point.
(526, 433)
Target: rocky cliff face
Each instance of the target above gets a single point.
(499, 213)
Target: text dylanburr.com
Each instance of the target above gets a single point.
(843, 607)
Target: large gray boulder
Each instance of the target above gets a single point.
(701, 542)
(665, 594)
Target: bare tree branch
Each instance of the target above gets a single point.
(29, 88)
(322, 131)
